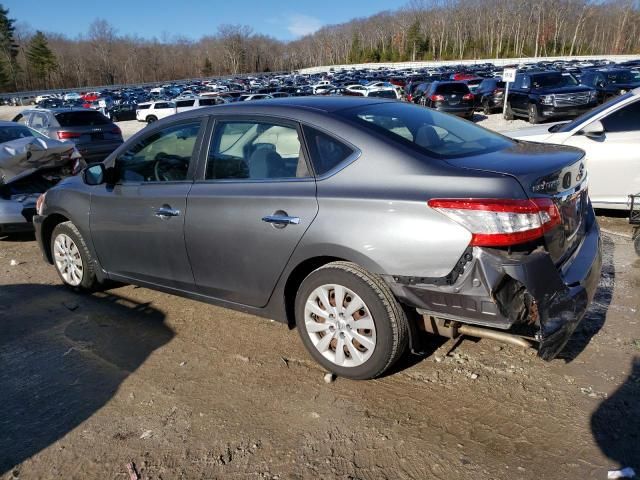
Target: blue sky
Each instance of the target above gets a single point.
(285, 20)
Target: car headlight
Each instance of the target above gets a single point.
(622, 91)
(547, 99)
(40, 203)
(592, 95)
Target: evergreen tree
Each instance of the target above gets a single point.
(40, 58)
(8, 51)
(207, 68)
(355, 54)
(414, 42)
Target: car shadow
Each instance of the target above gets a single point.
(597, 313)
(63, 356)
(616, 423)
(478, 117)
(18, 237)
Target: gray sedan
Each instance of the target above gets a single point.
(362, 222)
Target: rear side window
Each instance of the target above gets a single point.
(326, 152)
(452, 88)
(208, 101)
(81, 119)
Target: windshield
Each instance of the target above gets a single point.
(554, 80)
(567, 127)
(427, 131)
(9, 133)
(625, 76)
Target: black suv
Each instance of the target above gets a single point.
(542, 95)
(450, 97)
(489, 95)
(612, 82)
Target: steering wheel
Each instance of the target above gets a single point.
(168, 168)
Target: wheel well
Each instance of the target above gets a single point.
(296, 277)
(47, 230)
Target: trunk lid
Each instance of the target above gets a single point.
(554, 171)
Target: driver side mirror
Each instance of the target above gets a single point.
(593, 130)
(94, 174)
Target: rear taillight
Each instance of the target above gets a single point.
(409, 98)
(436, 98)
(116, 130)
(62, 135)
(468, 96)
(500, 222)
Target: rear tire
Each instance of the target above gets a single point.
(151, 119)
(636, 245)
(360, 343)
(71, 257)
(486, 109)
(508, 112)
(533, 114)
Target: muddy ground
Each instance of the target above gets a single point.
(186, 390)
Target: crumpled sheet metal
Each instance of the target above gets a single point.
(24, 156)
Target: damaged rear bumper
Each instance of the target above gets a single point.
(502, 290)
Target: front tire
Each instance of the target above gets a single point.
(151, 119)
(350, 322)
(72, 259)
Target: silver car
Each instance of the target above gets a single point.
(610, 136)
(30, 163)
(363, 222)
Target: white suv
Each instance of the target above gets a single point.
(151, 111)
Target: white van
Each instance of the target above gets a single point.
(189, 103)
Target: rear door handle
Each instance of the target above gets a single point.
(166, 211)
(281, 220)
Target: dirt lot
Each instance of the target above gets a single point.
(187, 390)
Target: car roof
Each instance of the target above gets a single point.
(325, 104)
(6, 123)
(57, 110)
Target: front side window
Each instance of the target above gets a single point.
(627, 119)
(185, 103)
(162, 156)
(426, 131)
(255, 151)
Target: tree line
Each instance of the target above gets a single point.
(422, 30)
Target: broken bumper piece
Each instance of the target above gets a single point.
(501, 290)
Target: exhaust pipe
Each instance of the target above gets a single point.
(451, 329)
(494, 335)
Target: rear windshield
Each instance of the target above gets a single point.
(425, 130)
(448, 88)
(383, 94)
(81, 119)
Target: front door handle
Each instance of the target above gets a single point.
(281, 220)
(166, 211)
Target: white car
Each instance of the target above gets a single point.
(610, 136)
(72, 96)
(151, 111)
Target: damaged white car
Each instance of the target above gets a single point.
(30, 164)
